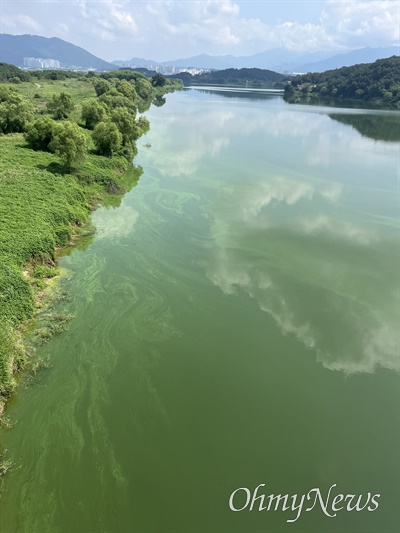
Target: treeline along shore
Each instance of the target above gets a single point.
(364, 85)
(67, 139)
(373, 84)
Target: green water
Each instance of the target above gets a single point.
(236, 324)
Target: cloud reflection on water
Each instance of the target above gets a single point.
(115, 223)
(292, 232)
(317, 277)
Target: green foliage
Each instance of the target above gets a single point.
(16, 295)
(12, 358)
(107, 138)
(377, 82)
(60, 105)
(123, 74)
(93, 112)
(40, 133)
(101, 86)
(43, 206)
(8, 72)
(44, 272)
(158, 80)
(69, 143)
(144, 89)
(143, 125)
(15, 111)
(252, 77)
(36, 208)
(127, 90)
(113, 99)
(125, 121)
(55, 75)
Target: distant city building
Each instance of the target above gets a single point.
(38, 62)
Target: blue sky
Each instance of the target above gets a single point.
(162, 30)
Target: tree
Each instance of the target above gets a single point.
(69, 143)
(101, 86)
(127, 90)
(15, 111)
(144, 88)
(39, 134)
(113, 99)
(126, 124)
(93, 113)
(60, 105)
(143, 124)
(158, 80)
(107, 138)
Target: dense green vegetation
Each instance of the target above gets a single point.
(12, 73)
(64, 144)
(244, 77)
(374, 83)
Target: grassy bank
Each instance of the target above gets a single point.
(46, 197)
(41, 208)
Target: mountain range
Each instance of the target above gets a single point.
(278, 59)
(13, 49)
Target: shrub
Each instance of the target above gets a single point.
(40, 133)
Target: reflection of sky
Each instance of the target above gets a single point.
(301, 229)
(112, 223)
(313, 300)
(320, 140)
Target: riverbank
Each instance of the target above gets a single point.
(46, 201)
(40, 211)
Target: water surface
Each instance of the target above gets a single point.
(236, 324)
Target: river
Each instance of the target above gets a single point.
(236, 324)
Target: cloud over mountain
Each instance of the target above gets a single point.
(163, 30)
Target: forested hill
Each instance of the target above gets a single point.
(251, 77)
(376, 83)
(11, 72)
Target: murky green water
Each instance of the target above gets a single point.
(236, 324)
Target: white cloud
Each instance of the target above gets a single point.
(169, 29)
(360, 21)
(62, 28)
(21, 22)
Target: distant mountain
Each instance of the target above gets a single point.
(205, 61)
(137, 61)
(277, 59)
(13, 49)
(362, 55)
